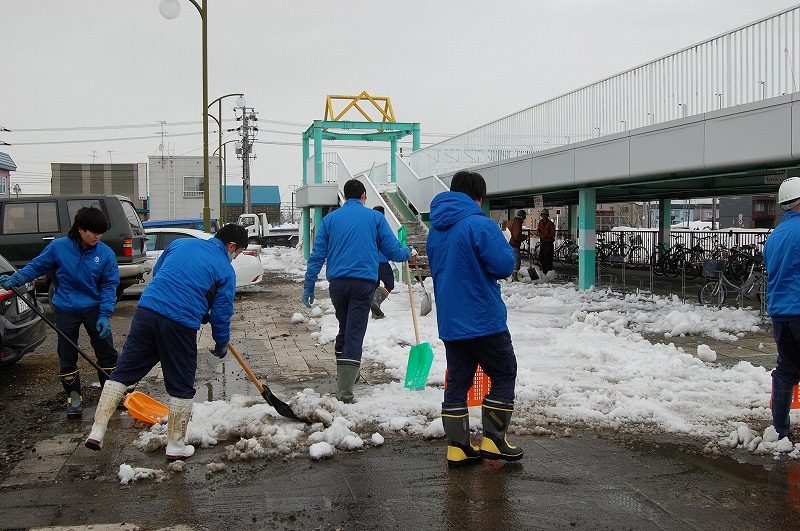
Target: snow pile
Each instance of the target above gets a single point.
(298, 318)
(767, 444)
(128, 473)
(285, 260)
(705, 353)
(583, 360)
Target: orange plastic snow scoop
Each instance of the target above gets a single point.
(144, 408)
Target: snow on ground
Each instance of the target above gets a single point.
(582, 361)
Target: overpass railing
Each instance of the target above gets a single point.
(750, 63)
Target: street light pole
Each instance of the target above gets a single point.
(219, 138)
(224, 153)
(170, 9)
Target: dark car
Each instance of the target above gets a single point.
(21, 330)
(28, 224)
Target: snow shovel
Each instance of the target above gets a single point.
(140, 406)
(425, 305)
(280, 406)
(420, 357)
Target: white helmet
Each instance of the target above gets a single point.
(789, 193)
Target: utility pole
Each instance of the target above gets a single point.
(110, 160)
(93, 155)
(244, 151)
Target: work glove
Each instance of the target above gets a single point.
(8, 281)
(103, 327)
(308, 297)
(219, 350)
(412, 251)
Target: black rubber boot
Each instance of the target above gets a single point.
(455, 419)
(496, 419)
(380, 295)
(72, 385)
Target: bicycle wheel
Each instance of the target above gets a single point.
(712, 294)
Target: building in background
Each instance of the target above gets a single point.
(129, 180)
(177, 188)
(6, 167)
(266, 200)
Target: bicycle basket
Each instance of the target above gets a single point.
(713, 268)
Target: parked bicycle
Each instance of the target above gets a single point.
(714, 293)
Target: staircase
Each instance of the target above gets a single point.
(416, 230)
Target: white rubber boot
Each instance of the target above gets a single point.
(180, 410)
(109, 398)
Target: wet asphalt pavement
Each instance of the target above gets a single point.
(588, 480)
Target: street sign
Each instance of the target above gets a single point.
(538, 201)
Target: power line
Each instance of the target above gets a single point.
(101, 127)
(119, 139)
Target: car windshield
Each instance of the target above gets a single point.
(246, 222)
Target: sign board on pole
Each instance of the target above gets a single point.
(538, 201)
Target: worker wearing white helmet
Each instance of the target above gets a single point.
(783, 302)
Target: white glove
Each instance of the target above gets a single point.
(413, 252)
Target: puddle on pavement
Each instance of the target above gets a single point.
(227, 380)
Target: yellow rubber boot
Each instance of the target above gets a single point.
(455, 419)
(496, 419)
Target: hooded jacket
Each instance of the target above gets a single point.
(468, 254)
(352, 239)
(191, 278)
(782, 259)
(85, 278)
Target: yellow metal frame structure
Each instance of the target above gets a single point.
(383, 104)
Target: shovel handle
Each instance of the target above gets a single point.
(411, 300)
(65, 337)
(246, 367)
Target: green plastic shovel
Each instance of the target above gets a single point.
(420, 357)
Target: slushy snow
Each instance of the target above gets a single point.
(583, 361)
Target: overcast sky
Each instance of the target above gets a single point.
(451, 65)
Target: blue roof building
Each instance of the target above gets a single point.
(259, 195)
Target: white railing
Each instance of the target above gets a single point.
(330, 169)
(417, 190)
(754, 62)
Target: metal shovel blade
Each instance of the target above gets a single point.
(420, 359)
(425, 305)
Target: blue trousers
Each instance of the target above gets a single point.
(495, 353)
(786, 374)
(386, 275)
(70, 323)
(351, 298)
(154, 338)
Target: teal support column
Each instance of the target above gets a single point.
(572, 223)
(587, 204)
(317, 154)
(305, 216)
(415, 137)
(393, 161)
(318, 176)
(664, 221)
(306, 223)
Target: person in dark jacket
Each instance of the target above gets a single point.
(468, 254)
(385, 276)
(547, 238)
(85, 279)
(193, 283)
(517, 237)
(783, 302)
(350, 240)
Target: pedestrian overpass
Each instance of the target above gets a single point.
(721, 117)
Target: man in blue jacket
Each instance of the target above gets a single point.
(349, 240)
(85, 280)
(783, 302)
(468, 255)
(193, 283)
